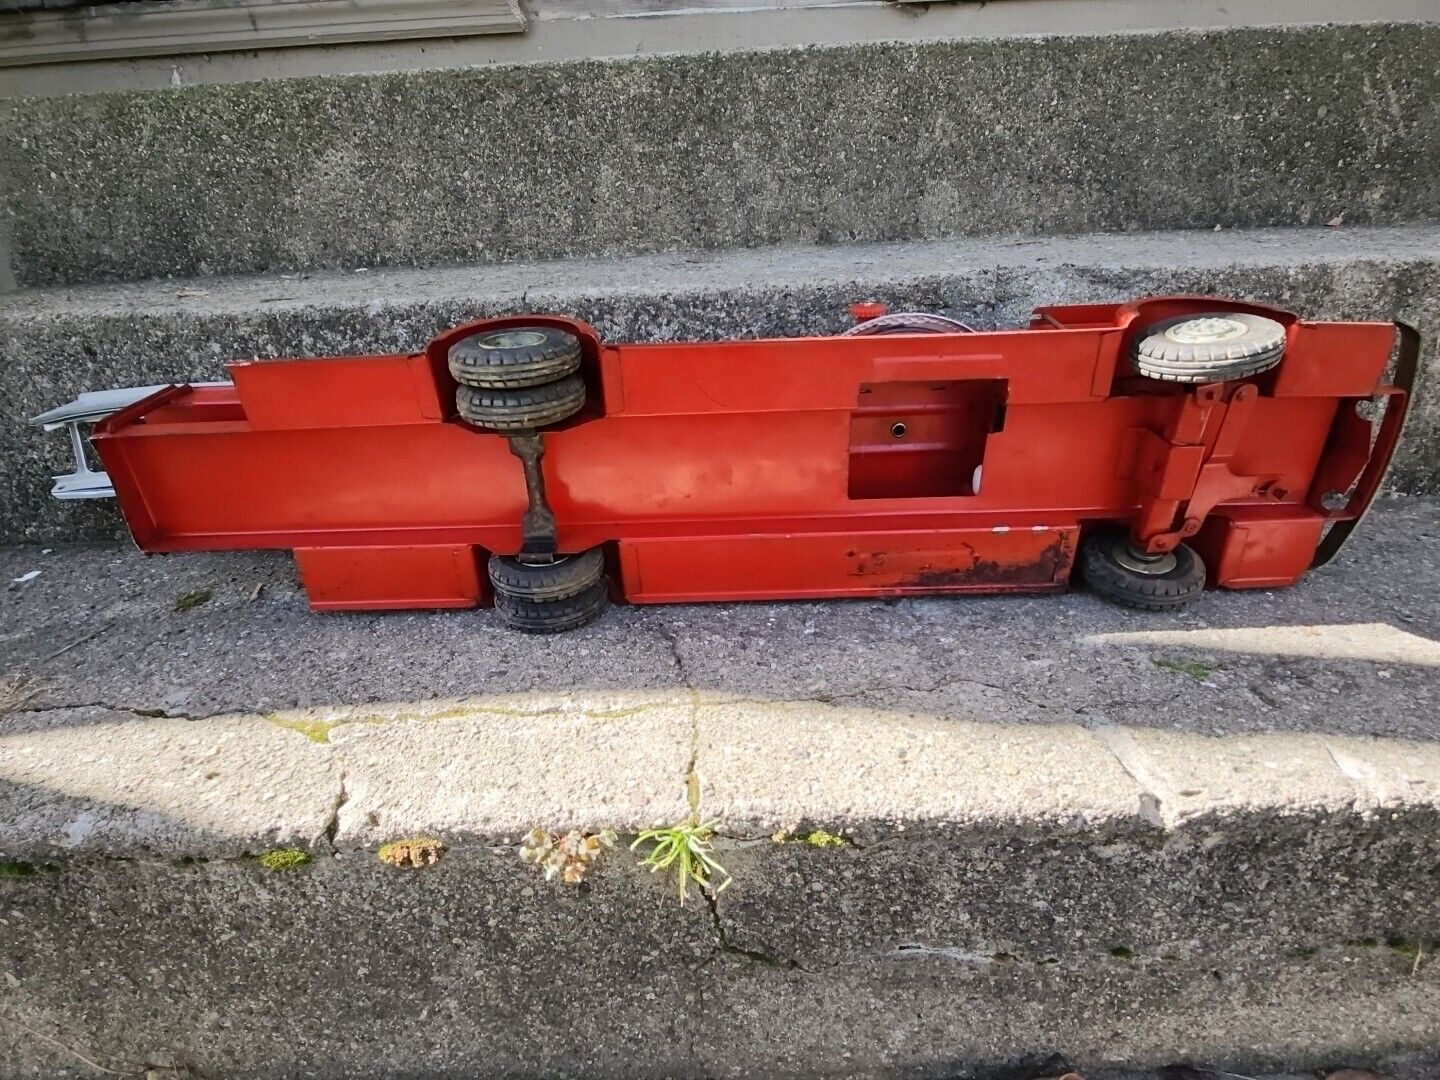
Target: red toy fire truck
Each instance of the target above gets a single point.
(1156, 446)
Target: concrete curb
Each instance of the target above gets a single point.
(966, 836)
(101, 782)
(59, 342)
(862, 143)
(1025, 872)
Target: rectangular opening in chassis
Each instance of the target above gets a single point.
(917, 440)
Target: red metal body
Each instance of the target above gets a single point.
(808, 467)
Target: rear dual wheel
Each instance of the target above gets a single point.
(547, 598)
(517, 378)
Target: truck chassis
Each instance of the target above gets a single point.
(1157, 446)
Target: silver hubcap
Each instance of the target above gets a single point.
(1141, 563)
(1206, 331)
(511, 339)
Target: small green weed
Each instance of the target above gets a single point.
(1196, 670)
(193, 599)
(19, 869)
(287, 858)
(684, 849)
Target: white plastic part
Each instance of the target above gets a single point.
(85, 482)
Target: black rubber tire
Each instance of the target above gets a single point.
(514, 357)
(1222, 345)
(568, 575)
(1172, 590)
(551, 616)
(523, 408)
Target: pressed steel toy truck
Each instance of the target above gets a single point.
(1161, 445)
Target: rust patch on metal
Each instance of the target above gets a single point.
(1042, 570)
(964, 568)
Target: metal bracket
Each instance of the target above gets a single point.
(94, 405)
(1166, 517)
(538, 524)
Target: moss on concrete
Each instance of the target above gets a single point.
(1194, 668)
(193, 599)
(283, 858)
(412, 853)
(317, 731)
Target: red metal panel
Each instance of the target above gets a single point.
(808, 374)
(1258, 549)
(750, 469)
(1036, 559)
(376, 578)
(1334, 360)
(359, 391)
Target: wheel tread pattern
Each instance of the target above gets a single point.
(472, 364)
(546, 581)
(522, 408)
(551, 616)
(1160, 358)
(1146, 592)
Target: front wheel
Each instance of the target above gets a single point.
(1112, 568)
(1211, 347)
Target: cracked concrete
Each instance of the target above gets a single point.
(1351, 651)
(1096, 831)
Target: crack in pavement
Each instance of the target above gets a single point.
(332, 823)
(726, 947)
(133, 710)
(692, 772)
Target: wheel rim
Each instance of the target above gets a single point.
(1140, 563)
(511, 339)
(554, 561)
(1208, 330)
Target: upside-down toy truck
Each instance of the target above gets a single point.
(1154, 447)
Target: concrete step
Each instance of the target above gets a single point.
(57, 343)
(965, 835)
(869, 142)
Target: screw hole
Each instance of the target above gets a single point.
(898, 430)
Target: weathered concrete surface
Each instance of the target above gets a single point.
(1018, 924)
(99, 625)
(57, 343)
(1242, 127)
(93, 779)
(501, 767)
(474, 967)
(1065, 841)
(348, 968)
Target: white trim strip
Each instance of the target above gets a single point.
(173, 27)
